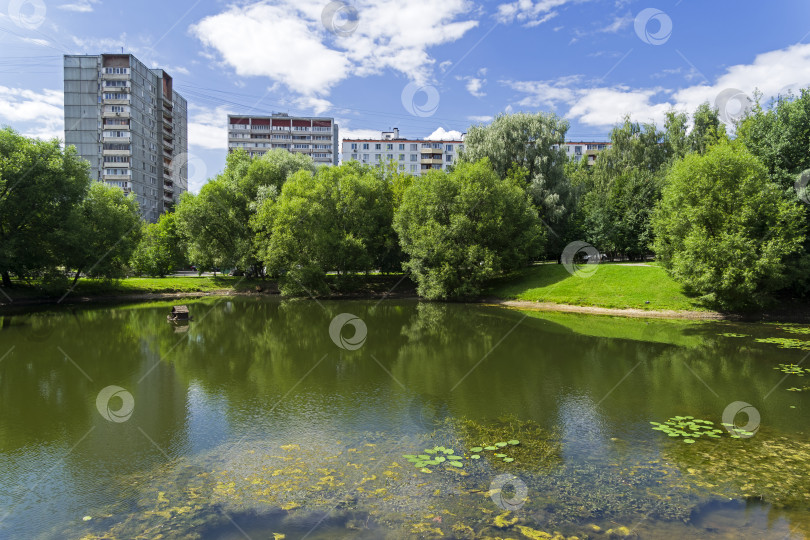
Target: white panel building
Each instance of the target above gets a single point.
(130, 125)
(414, 156)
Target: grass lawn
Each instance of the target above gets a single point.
(93, 287)
(611, 285)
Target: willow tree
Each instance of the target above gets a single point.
(533, 143)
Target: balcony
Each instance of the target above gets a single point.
(168, 198)
(434, 161)
(109, 114)
(117, 177)
(116, 152)
(122, 140)
(115, 165)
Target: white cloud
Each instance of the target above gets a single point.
(389, 35)
(318, 106)
(529, 13)
(480, 119)
(207, 128)
(36, 41)
(474, 85)
(770, 73)
(34, 114)
(608, 106)
(544, 94)
(618, 24)
(441, 135)
(81, 6)
(348, 133)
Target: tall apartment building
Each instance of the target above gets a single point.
(129, 123)
(414, 156)
(314, 136)
(586, 150)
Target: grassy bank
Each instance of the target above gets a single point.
(372, 285)
(610, 285)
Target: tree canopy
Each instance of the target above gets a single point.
(461, 228)
(724, 230)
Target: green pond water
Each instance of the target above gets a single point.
(255, 421)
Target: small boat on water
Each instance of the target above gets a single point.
(179, 314)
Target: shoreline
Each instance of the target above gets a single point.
(520, 305)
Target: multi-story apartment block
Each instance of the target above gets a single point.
(589, 150)
(314, 136)
(414, 156)
(128, 122)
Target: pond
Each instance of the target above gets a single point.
(264, 418)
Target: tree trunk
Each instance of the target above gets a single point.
(6, 279)
(76, 277)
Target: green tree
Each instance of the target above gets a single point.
(724, 230)
(217, 222)
(160, 250)
(39, 186)
(103, 231)
(338, 219)
(620, 190)
(779, 135)
(707, 130)
(464, 227)
(533, 142)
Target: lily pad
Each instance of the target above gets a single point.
(508, 460)
(500, 455)
(456, 463)
(513, 442)
(475, 456)
(476, 449)
(500, 444)
(490, 448)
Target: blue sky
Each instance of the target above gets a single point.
(426, 67)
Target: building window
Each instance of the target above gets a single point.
(389, 146)
(449, 158)
(377, 146)
(354, 157)
(414, 147)
(365, 146)
(402, 147)
(402, 157)
(413, 168)
(389, 157)
(578, 150)
(449, 148)
(413, 157)
(354, 146)
(365, 158)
